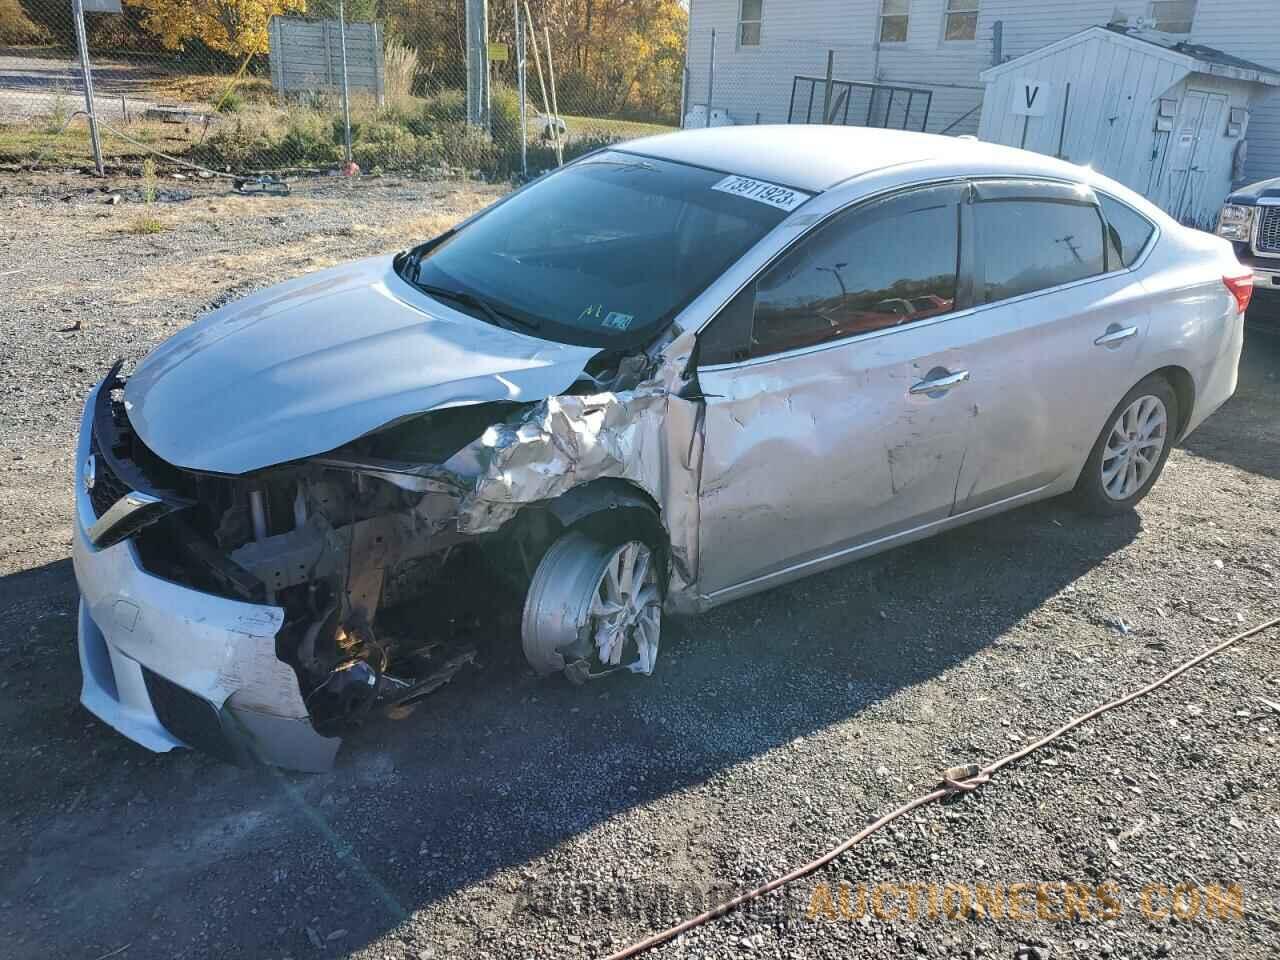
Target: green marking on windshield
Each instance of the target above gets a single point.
(611, 319)
(617, 321)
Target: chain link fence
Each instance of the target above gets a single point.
(425, 87)
(812, 81)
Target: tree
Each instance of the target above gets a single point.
(235, 27)
(353, 10)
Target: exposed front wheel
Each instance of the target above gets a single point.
(1131, 451)
(592, 608)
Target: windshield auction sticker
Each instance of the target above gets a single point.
(762, 191)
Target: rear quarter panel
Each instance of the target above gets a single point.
(1195, 323)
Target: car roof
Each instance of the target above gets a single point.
(816, 157)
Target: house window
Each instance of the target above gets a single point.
(1173, 16)
(750, 13)
(894, 15)
(962, 20)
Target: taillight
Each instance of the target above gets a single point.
(1241, 288)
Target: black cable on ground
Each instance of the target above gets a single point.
(964, 779)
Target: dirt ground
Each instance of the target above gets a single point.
(510, 817)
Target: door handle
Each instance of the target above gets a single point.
(1116, 334)
(941, 384)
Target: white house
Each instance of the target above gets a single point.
(944, 46)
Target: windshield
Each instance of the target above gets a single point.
(605, 252)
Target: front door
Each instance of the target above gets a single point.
(847, 416)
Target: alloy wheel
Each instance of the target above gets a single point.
(1134, 447)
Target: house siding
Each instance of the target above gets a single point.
(796, 35)
(1249, 29)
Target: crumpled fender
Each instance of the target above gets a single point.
(648, 436)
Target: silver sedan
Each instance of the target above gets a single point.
(673, 373)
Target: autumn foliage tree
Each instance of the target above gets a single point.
(234, 27)
(626, 56)
(612, 57)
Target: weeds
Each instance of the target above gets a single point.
(400, 70)
(230, 102)
(406, 134)
(148, 181)
(145, 225)
(59, 114)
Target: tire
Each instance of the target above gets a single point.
(594, 606)
(1120, 470)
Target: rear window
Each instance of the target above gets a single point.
(1128, 232)
(1030, 245)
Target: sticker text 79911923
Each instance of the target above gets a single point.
(784, 198)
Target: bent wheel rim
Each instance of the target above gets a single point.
(1134, 446)
(626, 610)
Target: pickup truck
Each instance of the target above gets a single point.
(1251, 221)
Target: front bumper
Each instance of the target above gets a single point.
(169, 666)
(1266, 278)
(1266, 270)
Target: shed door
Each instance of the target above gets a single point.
(1190, 155)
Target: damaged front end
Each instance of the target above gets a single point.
(366, 548)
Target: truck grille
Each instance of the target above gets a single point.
(1269, 231)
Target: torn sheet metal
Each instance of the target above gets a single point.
(647, 436)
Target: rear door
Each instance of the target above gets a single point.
(1065, 320)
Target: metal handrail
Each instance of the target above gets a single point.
(841, 102)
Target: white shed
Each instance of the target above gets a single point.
(1166, 118)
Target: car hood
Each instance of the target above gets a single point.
(1262, 190)
(304, 367)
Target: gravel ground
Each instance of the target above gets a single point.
(509, 817)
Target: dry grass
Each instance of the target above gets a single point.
(17, 28)
(272, 264)
(400, 62)
(39, 139)
(603, 126)
(209, 88)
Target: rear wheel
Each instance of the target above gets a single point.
(1131, 451)
(593, 607)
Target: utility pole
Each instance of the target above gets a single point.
(478, 63)
(82, 41)
(346, 91)
(522, 79)
(711, 78)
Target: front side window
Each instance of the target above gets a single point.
(602, 253)
(1029, 245)
(1128, 232)
(750, 17)
(1173, 16)
(894, 17)
(894, 263)
(962, 20)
